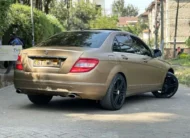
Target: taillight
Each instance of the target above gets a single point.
(19, 63)
(84, 65)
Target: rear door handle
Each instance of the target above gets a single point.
(124, 57)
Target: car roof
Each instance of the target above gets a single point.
(103, 30)
(96, 30)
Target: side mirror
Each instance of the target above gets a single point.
(157, 53)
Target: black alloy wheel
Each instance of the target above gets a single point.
(116, 94)
(170, 87)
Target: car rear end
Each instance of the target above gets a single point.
(62, 69)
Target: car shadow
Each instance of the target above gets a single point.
(87, 106)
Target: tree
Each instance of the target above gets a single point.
(76, 15)
(43, 5)
(104, 22)
(119, 9)
(4, 18)
(46, 25)
(81, 14)
(130, 10)
(136, 29)
(60, 11)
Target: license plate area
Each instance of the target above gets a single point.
(46, 63)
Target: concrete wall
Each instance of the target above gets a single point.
(183, 31)
(183, 22)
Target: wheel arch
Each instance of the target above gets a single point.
(116, 70)
(123, 76)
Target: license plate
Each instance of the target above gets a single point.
(46, 63)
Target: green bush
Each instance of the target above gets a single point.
(104, 22)
(184, 56)
(45, 25)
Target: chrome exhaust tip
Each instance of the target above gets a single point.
(72, 95)
(18, 91)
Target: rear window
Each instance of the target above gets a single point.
(76, 39)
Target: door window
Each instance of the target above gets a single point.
(140, 47)
(122, 43)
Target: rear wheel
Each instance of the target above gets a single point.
(40, 99)
(115, 96)
(170, 87)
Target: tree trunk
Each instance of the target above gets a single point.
(46, 6)
(40, 5)
(37, 1)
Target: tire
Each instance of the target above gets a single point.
(116, 93)
(40, 99)
(170, 87)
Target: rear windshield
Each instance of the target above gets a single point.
(76, 39)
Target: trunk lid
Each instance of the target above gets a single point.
(50, 59)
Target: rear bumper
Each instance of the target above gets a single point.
(59, 84)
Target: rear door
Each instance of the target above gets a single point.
(122, 48)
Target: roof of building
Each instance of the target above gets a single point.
(151, 5)
(146, 31)
(126, 20)
(144, 14)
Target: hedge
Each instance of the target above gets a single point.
(45, 25)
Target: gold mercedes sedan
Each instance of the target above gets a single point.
(102, 65)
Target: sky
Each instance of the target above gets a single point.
(141, 4)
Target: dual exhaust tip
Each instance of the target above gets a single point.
(18, 91)
(71, 95)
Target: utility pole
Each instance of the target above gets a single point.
(156, 27)
(32, 21)
(176, 23)
(68, 13)
(162, 27)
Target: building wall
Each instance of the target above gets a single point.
(145, 36)
(183, 32)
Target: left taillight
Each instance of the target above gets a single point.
(19, 63)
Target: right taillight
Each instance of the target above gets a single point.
(84, 65)
(19, 63)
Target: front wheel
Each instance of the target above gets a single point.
(40, 99)
(115, 96)
(170, 87)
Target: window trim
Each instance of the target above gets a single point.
(131, 35)
(144, 45)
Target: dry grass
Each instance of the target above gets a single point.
(182, 67)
